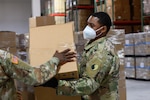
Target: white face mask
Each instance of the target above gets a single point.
(89, 33)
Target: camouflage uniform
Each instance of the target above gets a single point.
(13, 68)
(99, 73)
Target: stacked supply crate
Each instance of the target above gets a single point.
(118, 38)
(142, 52)
(129, 53)
(137, 64)
(8, 41)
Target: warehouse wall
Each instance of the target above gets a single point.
(14, 15)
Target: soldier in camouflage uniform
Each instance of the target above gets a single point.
(99, 67)
(13, 68)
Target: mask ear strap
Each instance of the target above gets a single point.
(99, 29)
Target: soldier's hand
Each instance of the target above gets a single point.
(19, 95)
(65, 56)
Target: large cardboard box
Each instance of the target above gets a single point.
(44, 41)
(43, 93)
(41, 21)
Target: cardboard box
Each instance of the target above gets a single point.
(7, 39)
(122, 93)
(43, 93)
(44, 41)
(8, 44)
(136, 2)
(10, 50)
(136, 8)
(143, 68)
(122, 12)
(130, 67)
(140, 37)
(142, 43)
(129, 44)
(41, 21)
(141, 49)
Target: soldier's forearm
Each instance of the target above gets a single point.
(83, 86)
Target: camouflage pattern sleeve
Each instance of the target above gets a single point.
(97, 68)
(81, 86)
(17, 69)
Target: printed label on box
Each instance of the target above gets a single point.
(142, 65)
(127, 41)
(128, 64)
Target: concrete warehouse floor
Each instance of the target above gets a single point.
(137, 89)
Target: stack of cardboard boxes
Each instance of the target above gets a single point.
(137, 64)
(8, 41)
(129, 60)
(129, 44)
(143, 68)
(142, 48)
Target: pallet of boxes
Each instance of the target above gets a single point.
(137, 51)
(129, 56)
(142, 55)
(45, 39)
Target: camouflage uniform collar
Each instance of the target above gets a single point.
(88, 46)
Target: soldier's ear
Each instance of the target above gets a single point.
(103, 29)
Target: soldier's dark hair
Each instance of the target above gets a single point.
(104, 19)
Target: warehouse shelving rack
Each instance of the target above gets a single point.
(75, 7)
(145, 19)
(121, 22)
